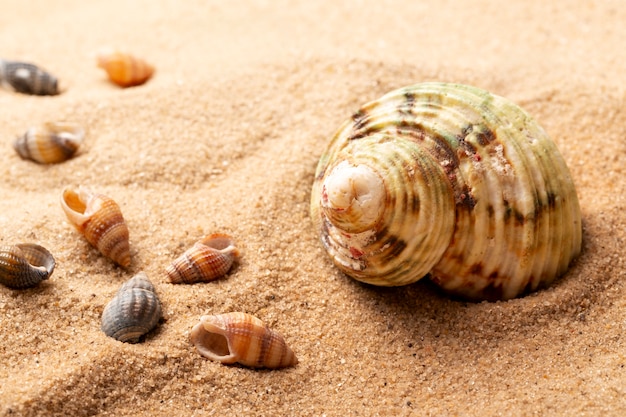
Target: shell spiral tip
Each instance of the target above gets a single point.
(353, 197)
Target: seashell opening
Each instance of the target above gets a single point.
(53, 142)
(133, 312)
(100, 220)
(476, 193)
(75, 204)
(25, 265)
(211, 342)
(208, 259)
(124, 69)
(241, 338)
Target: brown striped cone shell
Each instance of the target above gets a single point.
(25, 265)
(50, 143)
(208, 259)
(241, 338)
(100, 220)
(124, 69)
(134, 311)
(27, 78)
(450, 180)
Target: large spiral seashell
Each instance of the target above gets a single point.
(100, 220)
(241, 338)
(124, 69)
(27, 78)
(25, 265)
(208, 259)
(50, 143)
(452, 180)
(134, 310)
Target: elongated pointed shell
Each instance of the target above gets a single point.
(27, 78)
(124, 69)
(100, 220)
(25, 265)
(208, 259)
(452, 180)
(51, 143)
(241, 338)
(134, 311)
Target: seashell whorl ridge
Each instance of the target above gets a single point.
(25, 265)
(51, 143)
(124, 69)
(452, 180)
(241, 338)
(27, 78)
(134, 311)
(100, 220)
(208, 259)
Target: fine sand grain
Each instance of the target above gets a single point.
(225, 138)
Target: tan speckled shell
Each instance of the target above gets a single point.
(100, 220)
(50, 143)
(134, 310)
(124, 69)
(452, 180)
(27, 78)
(241, 338)
(208, 259)
(25, 265)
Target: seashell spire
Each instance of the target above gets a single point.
(100, 220)
(452, 180)
(241, 338)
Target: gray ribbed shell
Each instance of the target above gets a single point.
(27, 78)
(133, 312)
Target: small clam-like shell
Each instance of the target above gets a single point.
(452, 180)
(208, 259)
(124, 69)
(241, 338)
(28, 79)
(51, 143)
(100, 220)
(133, 312)
(25, 265)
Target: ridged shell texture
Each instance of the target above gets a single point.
(124, 69)
(452, 180)
(51, 143)
(28, 78)
(241, 338)
(208, 259)
(134, 311)
(99, 219)
(25, 265)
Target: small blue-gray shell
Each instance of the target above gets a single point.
(134, 311)
(28, 78)
(25, 265)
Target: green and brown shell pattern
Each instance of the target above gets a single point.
(450, 180)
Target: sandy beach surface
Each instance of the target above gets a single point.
(225, 138)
